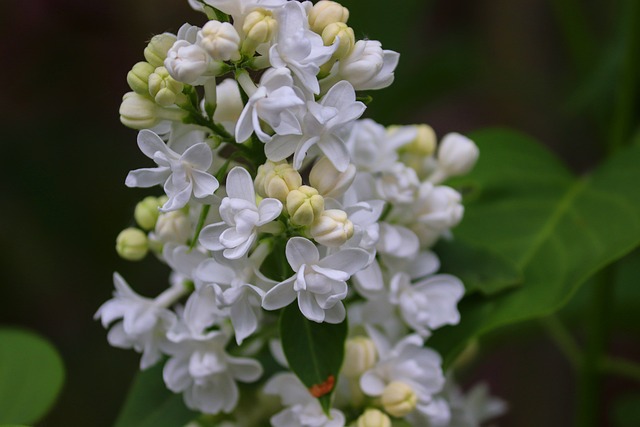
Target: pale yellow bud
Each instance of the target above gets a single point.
(360, 356)
(132, 244)
(146, 212)
(220, 40)
(263, 170)
(373, 418)
(332, 228)
(156, 51)
(259, 27)
(138, 77)
(346, 39)
(304, 205)
(164, 88)
(399, 399)
(425, 142)
(328, 181)
(280, 181)
(326, 12)
(138, 111)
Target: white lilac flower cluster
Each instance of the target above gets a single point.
(277, 193)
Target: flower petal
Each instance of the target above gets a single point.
(301, 251)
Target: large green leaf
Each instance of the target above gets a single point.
(31, 376)
(314, 352)
(480, 269)
(150, 404)
(555, 228)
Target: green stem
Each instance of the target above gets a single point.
(597, 325)
(621, 367)
(623, 110)
(200, 225)
(563, 339)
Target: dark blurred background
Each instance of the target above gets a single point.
(545, 68)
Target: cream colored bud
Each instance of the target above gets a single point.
(346, 39)
(332, 228)
(263, 170)
(328, 181)
(326, 12)
(304, 205)
(173, 226)
(164, 88)
(138, 77)
(156, 51)
(146, 212)
(360, 356)
(425, 142)
(259, 27)
(138, 111)
(132, 244)
(373, 418)
(399, 399)
(281, 180)
(220, 40)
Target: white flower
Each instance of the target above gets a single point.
(397, 241)
(457, 155)
(183, 175)
(145, 321)
(407, 362)
(368, 67)
(241, 217)
(325, 124)
(303, 410)
(186, 62)
(318, 284)
(398, 184)
(233, 284)
(298, 48)
(428, 304)
(275, 102)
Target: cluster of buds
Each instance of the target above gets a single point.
(278, 195)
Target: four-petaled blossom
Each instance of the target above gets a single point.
(241, 217)
(183, 175)
(325, 124)
(275, 102)
(318, 284)
(298, 48)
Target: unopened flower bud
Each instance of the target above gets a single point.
(132, 244)
(326, 12)
(425, 142)
(304, 205)
(140, 112)
(328, 181)
(138, 77)
(373, 418)
(220, 40)
(457, 154)
(164, 88)
(156, 51)
(346, 39)
(263, 170)
(259, 27)
(173, 226)
(281, 180)
(186, 62)
(146, 212)
(399, 399)
(360, 356)
(332, 228)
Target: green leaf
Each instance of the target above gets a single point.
(31, 376)
(557, 229)
(480, 269)
(314, 352)
(150, 404)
